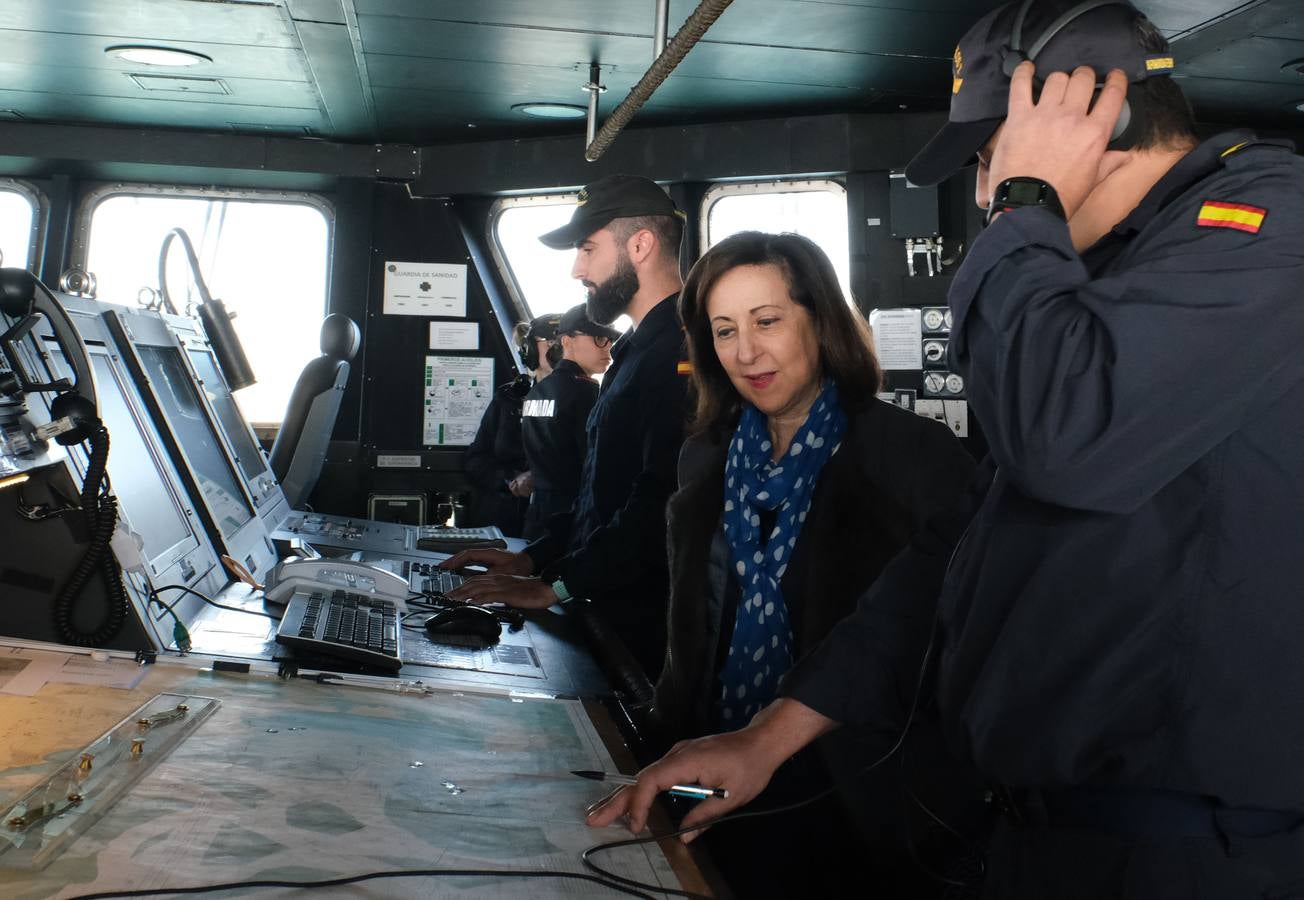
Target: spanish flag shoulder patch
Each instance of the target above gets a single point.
(1240, 216)
(684, 367)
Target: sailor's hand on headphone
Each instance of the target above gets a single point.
(1061, 137)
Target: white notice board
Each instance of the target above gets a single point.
(425, 289)
(458, 390)
(454, 336)
(897, 336)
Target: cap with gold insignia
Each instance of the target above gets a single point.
(611, 197)
(1103, 37)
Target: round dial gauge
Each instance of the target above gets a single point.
(954, 383)
(933, 319)
(934, 351)
(934, 382)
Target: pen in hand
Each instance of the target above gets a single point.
(692, 791)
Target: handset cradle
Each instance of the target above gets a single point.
(296, 573)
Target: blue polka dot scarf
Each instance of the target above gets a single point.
(760, 651)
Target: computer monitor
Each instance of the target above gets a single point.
(252, 465)
(158, 365)
(247, 453)
(179, 397)
(140, 478)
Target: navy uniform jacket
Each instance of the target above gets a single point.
(554, 424)
(1124, 606)
(611, 547)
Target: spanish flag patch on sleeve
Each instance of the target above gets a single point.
(1217, 214)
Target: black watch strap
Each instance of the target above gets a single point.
(1015, 193)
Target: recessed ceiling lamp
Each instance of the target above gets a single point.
(157, 56)
(551, 110)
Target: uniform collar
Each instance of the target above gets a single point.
(569, 367)
(1206, 158)
(658, 319)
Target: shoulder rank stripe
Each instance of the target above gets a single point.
(1214, 214)
(684, 368)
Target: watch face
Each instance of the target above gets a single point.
(1024, 193)
(934, 382)
(954, 384)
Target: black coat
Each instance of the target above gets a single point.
(894, 471)
(554, 422)
(495, 457)
(611, 548)
(1124, 609)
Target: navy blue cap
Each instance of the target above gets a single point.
(1059, 36)
(611, 197)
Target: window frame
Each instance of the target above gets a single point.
(40, 216)
(720, 191)
(505, 271)
(79, 251)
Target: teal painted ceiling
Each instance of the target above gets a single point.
(432, 71)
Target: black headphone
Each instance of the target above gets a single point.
(529, 352)
(529, 349)
(1127, 130)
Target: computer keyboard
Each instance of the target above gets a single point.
(438, 539)
(428, 578)
(348, 626)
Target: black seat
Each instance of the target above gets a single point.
(300, 448)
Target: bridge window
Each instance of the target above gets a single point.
(267, 259)
(813, 209)
(20, 213)
(538, 277)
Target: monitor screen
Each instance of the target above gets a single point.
(134, 472)
(179, 397)
(228, 414)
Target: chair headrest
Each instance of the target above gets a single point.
(340, 337)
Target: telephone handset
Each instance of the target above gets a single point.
(294, 573)
(25, 299)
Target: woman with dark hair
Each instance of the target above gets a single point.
(796, 487)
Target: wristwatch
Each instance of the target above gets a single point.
(559, 588)
(1013, 193)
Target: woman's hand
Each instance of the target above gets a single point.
(742, 762)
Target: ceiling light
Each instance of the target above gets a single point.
(157, 56)
(551, 110)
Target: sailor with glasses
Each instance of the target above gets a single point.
(555, 416)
